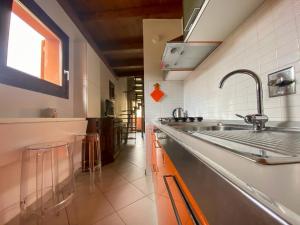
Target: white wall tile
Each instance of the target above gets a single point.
(267, 41)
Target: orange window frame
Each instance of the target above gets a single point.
(50, 47)
(50, 84)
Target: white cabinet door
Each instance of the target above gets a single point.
(219, 18)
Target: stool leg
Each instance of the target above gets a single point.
(83, 154)
(68, 216)
(71, 167)
(39, 186)
(99, 157)
(91, 164)
(24, 185)
(54, 174)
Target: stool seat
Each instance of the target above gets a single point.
(47, 178)
(46, 146)
(91, 154)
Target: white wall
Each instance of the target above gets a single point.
(24, 103)
(80, 79)
(121, 95)
(93, 83)
(165, 29)
(265, 42)
(120, 87)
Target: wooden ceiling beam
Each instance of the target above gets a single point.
(76, 20)
(127, 43)
(126, 68)
(126, 62)
(166, 11)
(139, 73)
(124, 51)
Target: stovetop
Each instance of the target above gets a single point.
(165, 120)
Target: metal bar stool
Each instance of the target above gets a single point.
(47, 180)
(91, 154)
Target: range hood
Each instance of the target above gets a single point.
(185, 56)
(207, 23)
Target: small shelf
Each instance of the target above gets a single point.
(38, 120)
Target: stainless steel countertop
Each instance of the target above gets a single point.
(277, 187)
(273, 145)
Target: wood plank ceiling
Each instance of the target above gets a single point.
(117, 30)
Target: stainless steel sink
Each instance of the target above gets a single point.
(269, 146)
(222, 128)
(194, 128)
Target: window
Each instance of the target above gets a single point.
(33, 49)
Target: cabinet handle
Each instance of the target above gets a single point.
(186, 202)
(157, 144)
(191, 19)
(153, 168)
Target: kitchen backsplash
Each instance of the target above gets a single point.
(164, 30)
(266, 42)
(172, 99)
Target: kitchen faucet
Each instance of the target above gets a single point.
(257, 120)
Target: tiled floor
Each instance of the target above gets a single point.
(122, 196)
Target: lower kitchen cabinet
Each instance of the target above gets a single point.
(188, 191)
(175, 204)
(110, 131)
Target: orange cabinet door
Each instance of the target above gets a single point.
(175, 205)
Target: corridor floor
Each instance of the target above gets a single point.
(122, 196)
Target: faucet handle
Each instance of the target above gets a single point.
(238, 115)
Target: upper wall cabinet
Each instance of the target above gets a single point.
(215, 19)
(191, 9)
(206, 23)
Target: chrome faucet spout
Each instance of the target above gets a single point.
(259, 93)
(258, 120)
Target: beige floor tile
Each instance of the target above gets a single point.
(144, 184)
(133, 173)
(123, 196)
(82, 179)
(141, 212)
(110, 180)
(151, 196)
(89, 208)
(58, 219)
(113, 219)
(86, 189)
(140, 163)
(120, 166)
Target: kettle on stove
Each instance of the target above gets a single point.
(178, 113)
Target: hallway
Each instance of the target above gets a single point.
(123, 195)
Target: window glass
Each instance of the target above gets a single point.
(24, 47)
(34, 50)
(32, 47)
